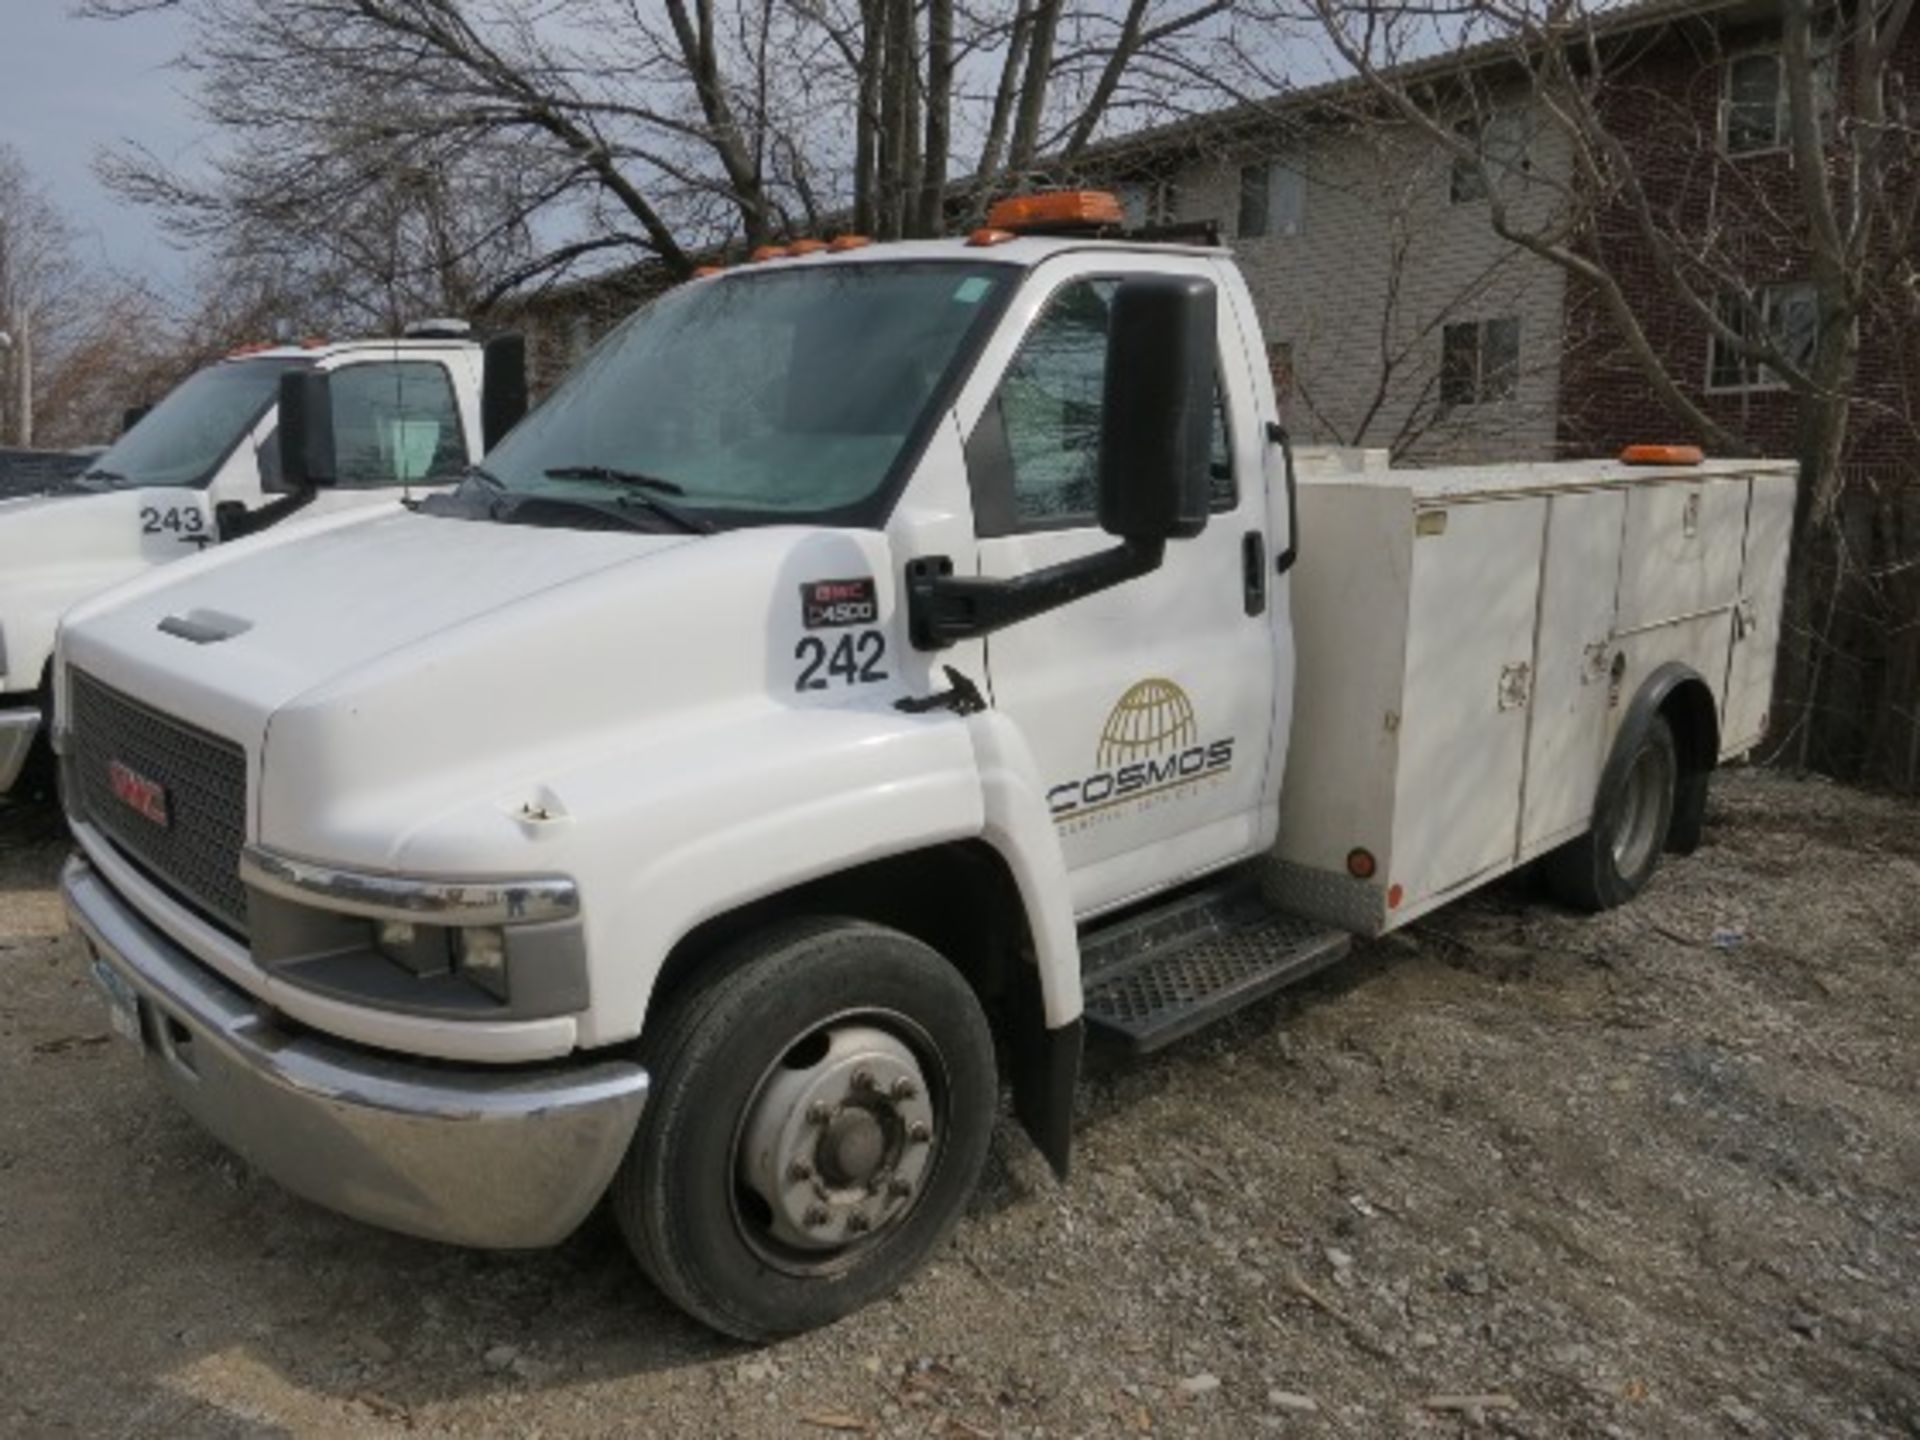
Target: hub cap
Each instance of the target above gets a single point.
(838, 1138)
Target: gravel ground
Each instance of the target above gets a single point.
(1516, 1172)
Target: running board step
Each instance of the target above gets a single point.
(1154, 978)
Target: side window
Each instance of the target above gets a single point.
(396, 422)
(1049, 403)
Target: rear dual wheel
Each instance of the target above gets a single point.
(1613, 861)
(822, 1102)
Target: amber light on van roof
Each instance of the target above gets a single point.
(1056, 207)
(1662, 455)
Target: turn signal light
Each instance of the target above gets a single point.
(1360, 864)
(1056, 207)
(1662, 455)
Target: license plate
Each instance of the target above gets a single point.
(123, 1006)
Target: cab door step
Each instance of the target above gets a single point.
(1159, 975)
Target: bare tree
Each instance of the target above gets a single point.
(38, 278)
(470, 148)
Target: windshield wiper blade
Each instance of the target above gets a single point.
(98, 474)
(617, 476)
(619, 511)
(639, 490)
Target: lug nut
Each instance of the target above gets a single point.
(863, 1080)
(816, 1216)
(818, 1113)
(919, 1132)
(857, 1223)
(800, 1170)
(900, 1187)
(904, 1089)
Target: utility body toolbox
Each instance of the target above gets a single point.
(1467, 640)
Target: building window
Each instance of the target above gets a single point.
(1146, 203)
(1273, 199)
(1755, 109)
(1791, 317)
(1479, 361)
(1500, 142)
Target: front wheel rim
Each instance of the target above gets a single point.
(838, 1141)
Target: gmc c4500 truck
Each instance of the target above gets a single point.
(203, 466)
(864, 646)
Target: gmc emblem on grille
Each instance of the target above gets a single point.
(137, 792)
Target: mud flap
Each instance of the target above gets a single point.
(1046, 1071)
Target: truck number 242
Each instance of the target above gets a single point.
(853, 660)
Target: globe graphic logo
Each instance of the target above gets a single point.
(1153, 717)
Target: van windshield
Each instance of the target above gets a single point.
(184, 438)
(785, 394)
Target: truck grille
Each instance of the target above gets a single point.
(173, 797)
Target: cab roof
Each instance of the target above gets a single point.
(1025, 251)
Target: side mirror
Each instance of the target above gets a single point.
(132, 416)
(229, 520)
(306, 430)
(1157, 409)
(503, 386)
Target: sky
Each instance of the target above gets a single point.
(69, 88)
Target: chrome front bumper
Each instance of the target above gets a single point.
(502, 1158)
(17, 731)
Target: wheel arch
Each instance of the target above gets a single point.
(962, 899)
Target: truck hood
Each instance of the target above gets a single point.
(273, 621)
(102, 531)
(56, 550)
(382, 674)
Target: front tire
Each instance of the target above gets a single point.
(1613, 861)
(823, 1099)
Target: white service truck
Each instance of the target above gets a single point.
(861, 646)
(203, 466)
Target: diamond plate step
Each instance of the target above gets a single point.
(1157, 977)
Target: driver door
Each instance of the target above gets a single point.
(1149, 706)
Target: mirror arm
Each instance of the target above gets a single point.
(943, 608)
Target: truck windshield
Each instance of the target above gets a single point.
(184, 439)
(782, 395)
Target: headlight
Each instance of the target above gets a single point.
(463, 950)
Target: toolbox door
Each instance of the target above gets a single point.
(1463, 734)
(1756, 618)
(1567, 741)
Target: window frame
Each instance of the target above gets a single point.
(1476, 130)
(1762, 379)
(988, 450)
(1782, 105)
(428, 481)
(1480, 396)
(1270, 170)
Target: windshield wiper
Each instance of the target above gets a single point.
(618, 477)
(620, 511)
(98, 474)
(639, 488)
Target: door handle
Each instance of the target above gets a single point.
(1253, 571)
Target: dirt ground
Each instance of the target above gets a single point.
(1517, 1172)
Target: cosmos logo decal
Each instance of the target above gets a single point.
(1150, 746)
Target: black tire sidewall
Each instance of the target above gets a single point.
(1619, 886)
(714, 1046)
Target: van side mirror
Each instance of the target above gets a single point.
(132, 416)
(306, 430)
(1157, 409)
(503, 386)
